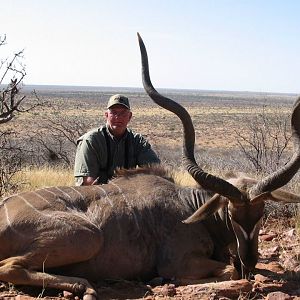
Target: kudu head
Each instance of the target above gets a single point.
(243, 197)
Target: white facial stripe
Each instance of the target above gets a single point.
(252, 233)
(250, 237)
(255, 229)
(243, 232)
(238, 243)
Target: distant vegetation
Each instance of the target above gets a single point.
(226, 124)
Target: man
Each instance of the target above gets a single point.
(102, 150)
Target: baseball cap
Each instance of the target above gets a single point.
(118, 99)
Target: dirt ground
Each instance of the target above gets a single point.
(277, 276)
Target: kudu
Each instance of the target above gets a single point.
(131, 228)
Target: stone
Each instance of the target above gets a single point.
(278, 296)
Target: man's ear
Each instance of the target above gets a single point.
(106, 115)
(130, 116)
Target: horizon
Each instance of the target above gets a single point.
(61, 87)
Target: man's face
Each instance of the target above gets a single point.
(117, 118)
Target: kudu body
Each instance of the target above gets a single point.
(131, 228)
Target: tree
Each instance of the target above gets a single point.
(266, 141)
(54, 141)
(12, 70)
(11, 102)
(10, 162)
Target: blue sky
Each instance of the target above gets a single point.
(211, 45)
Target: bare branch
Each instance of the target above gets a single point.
(11, 102)
(2, 40)
(265, 141)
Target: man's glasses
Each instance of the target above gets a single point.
(115, 113)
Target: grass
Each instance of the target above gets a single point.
(33, 178)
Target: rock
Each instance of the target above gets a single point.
(272, 266)
(275, 267)
(24, 297)
(290, 233)
(278, 296)
(168, 290)
(262, 231)
(271, 252)
(68, 295)
(261, 278)
(225, 289)
(268, 237)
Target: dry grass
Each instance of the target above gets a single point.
(215, 126)
(33, 178)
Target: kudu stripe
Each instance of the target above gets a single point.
(74, 211)
(105, 194)
(41, 197)
(34, 208)
(63, 192)
(75, 190)
(6, 214)
(128, 205)
(10, 224)
(49, 191)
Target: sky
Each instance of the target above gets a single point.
(231, 45)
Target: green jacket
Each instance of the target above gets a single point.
(96, 159)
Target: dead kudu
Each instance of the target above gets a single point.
(131, 228)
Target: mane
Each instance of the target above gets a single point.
(157, 170)
(182, 178)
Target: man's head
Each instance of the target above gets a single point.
(118, 99)
(118, 114)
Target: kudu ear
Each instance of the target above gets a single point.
(278, 195)
(281, 195)
(207, 209)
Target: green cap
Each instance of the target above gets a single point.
(118, 99)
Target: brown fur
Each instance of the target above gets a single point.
(157, 170)
(181, 178)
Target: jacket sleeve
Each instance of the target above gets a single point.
(145, 155)
(90, 156)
